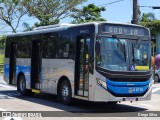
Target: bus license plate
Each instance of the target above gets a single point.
(130, 99)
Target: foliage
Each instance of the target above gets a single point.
(27, 27)
(11, 12)
(2, 42)
(148, 20)
(1, 58)
(153, 26)
(147, 17)
(50, 11)
(88, 13)
(153, 44)
(46, 11)
(1, 63)
(2, 39)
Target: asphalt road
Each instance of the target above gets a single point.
(11, 100)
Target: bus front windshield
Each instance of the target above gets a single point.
(122, 54)
(111, 54)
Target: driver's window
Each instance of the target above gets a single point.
(140, 56)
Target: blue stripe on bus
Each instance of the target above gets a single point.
(19, 68)
(127, 87)
(127, 83)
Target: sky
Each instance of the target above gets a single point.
(122, 11)
(116, 11)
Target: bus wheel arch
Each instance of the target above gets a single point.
(64, 90)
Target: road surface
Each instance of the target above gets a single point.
(11, 100)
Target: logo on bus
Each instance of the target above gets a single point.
(130, 90)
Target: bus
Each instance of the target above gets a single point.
(98, 61)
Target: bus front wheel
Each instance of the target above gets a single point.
(65, 94)
(157, 78)
(22, 86)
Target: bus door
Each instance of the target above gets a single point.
(12, 67)
(36, 59)
(82, 66)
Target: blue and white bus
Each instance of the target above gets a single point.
(97, 61)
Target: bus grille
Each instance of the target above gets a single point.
(129, 79)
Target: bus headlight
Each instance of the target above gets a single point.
(102, 83)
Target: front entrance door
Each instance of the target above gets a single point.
(82, 66)
(12, 67)
(36, 59)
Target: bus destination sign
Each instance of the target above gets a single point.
(127, 30)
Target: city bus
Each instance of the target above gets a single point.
(98, 61)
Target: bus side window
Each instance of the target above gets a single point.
(49, 45)
(64, 44)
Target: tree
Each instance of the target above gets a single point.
(147, 17)
(149, 20)
(27, 27)
(11, 12)
(2, 42)
(50, 11)
(88, 13)
(153, 26)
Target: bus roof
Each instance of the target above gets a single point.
(64, 26)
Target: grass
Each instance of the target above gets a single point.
(1, 59)
(1, 63)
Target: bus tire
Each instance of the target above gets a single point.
(156, 78)
(21, 87)
(65, 93)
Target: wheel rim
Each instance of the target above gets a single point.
(65, 92)
(156, 78)
(22, 85)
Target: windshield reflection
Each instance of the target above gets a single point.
(109, 54)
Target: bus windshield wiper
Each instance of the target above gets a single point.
(138, 43)
(121, 45)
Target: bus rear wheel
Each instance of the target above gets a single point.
(65, 94)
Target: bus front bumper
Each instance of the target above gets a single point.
(103, 95)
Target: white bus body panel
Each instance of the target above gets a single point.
(52, 70)
(6, 73)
